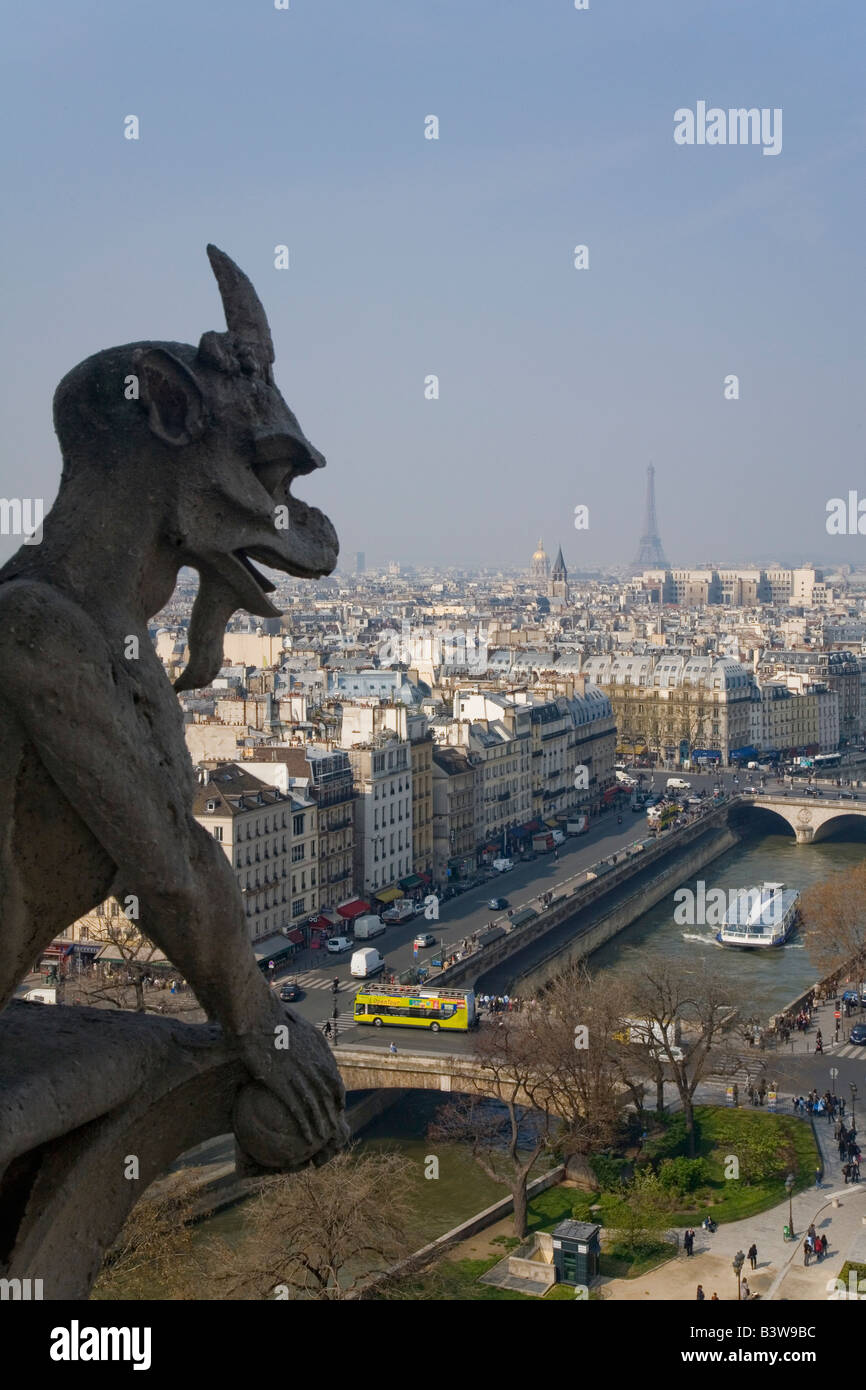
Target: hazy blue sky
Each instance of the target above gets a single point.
(454, 257)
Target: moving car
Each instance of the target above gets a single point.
(498, 904)
(337, 944)
(424, 938)
(858, 1033)
(289, 991)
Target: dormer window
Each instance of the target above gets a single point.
(211, 805)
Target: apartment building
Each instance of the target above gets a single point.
(270, 838)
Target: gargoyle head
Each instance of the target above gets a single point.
(219, 448)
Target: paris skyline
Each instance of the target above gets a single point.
(457, 258)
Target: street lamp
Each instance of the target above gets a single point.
(853, 1104)
(789, 1188)
(738, 1261)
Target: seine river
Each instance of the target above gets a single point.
(761, 981)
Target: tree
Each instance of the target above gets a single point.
(665, 995)
(320, 1233)
(640, 1212)
(834, 918)
(152, 1257)
(123, 983)
(585, 1068)
(506, 1139)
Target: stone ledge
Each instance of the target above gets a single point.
(80, 1091)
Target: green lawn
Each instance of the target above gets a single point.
(728, 1199)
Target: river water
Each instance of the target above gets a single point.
(762, 982)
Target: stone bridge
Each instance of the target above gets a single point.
(370, 1069)
(811, 818)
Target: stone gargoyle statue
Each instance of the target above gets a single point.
(172, 455)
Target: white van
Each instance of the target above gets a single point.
(367, 927)
(365, 963)
(41, 996)
(503, 865)
(678, 784)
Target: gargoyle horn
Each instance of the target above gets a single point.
(245, 315)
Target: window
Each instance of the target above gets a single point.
(298, 852)
(297, 825)
(298, 906)
(218, 832)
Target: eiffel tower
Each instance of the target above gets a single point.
(650, 554)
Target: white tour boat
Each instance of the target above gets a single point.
(763, 916)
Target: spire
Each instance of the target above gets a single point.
(559, 570)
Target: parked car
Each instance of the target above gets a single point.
(528, 854)
(424, 938)
(850, 996)
(858, 1033)
(497, 904)
(338, 944)
(289, 991)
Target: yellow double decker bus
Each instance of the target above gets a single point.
(412, 1006)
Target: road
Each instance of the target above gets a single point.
(459, 918)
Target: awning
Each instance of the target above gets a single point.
(269, 948)
(88, 948)
(389, 895)
(413, 881)
(492, 849)
(530, 827)
(145, 955)
(58, 950)
(296, 936)
(354, 908)
(552, 824)
(610, 793)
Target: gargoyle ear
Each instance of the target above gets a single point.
(171, 395)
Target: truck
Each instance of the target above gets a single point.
(559, 837)
(543, 842)
(403, 910)
(578, 825)
(503, 865)
(366, 962)
(40, 996)
(367, 927)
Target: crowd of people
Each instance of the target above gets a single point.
(498, 1003)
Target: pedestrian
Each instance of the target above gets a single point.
(393, 1049)
(818, 1179)
(700, 1293)
(846, 1172)
(746, 1292)
(753, 1255)
(327, 1028)
(818, 1245)
(807, 1250)
(715, 1298)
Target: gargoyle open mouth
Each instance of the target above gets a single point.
(263, 582)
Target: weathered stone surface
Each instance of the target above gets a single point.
(172, 456)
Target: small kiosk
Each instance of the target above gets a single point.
(576, 1252)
